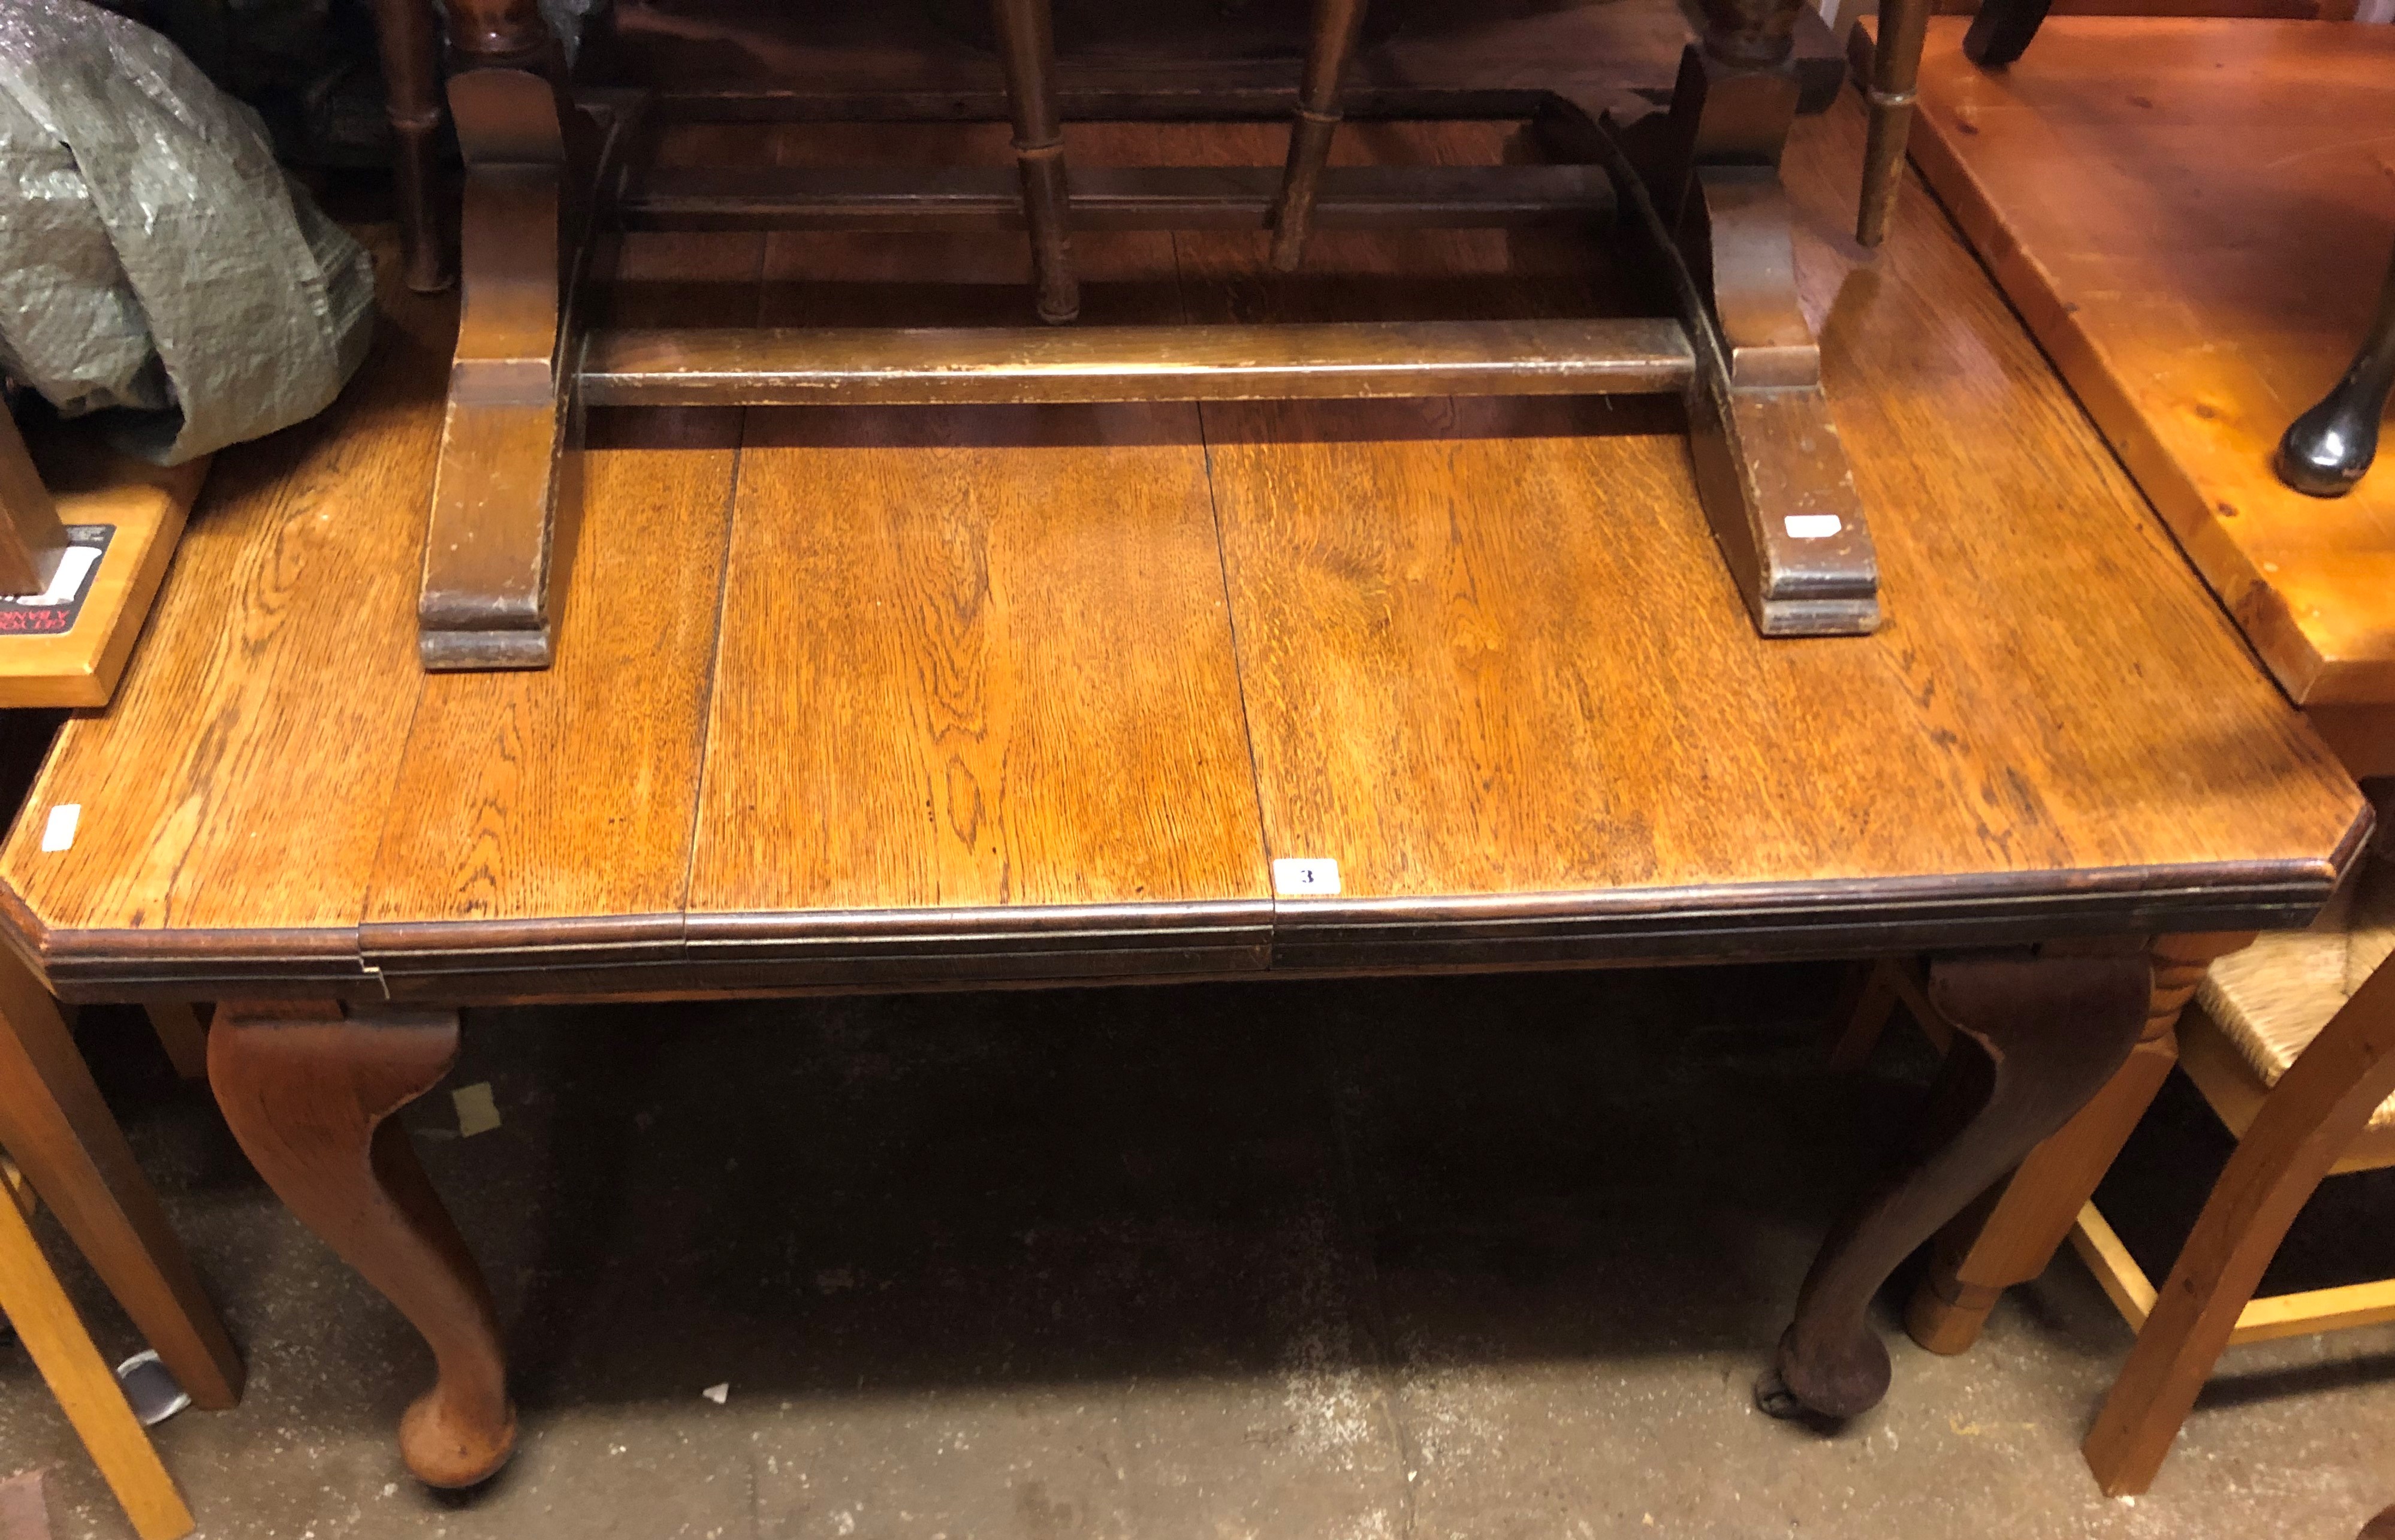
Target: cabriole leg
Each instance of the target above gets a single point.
(310, 1089)
(2049, 1031)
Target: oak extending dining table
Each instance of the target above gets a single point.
(879, 698)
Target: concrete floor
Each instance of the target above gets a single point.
(1446, 1257)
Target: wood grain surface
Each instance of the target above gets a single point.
(972, 659)
(567, 794)
(2194, 218)
(1036, 691)
(1488, 648)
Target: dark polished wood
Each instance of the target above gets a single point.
(1164, 197)
(963, 366)
(409, 43)
(2052, 1030)
(2329, 449)
(1770, 464)
(1893, 72)
(1337, 25)
(2002, 31)
(1027, 46)
(310, 1090)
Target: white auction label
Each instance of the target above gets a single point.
(1305, 877)
(58, 833)
(1812, 526)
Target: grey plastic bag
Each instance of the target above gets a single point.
(153, 257)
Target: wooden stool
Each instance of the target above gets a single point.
(36, 1304)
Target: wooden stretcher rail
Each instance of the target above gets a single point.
(1178, 197)
(948, 366)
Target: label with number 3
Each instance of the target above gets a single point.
(1304, 877)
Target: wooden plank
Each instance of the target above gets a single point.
(147, 505)
(565, 795)
(238, 785)
(37, 1306)
(2188, 221)
(907, 366)
(53, 1122)
(973, 659)
(1490, 654)
(1168, 197)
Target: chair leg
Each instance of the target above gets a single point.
(2329, 448)
(37, 1306)
(1896, 68)
(1027, 45)
(1864, 1020)
(2013, 1231)
(53, 1122)
(2002, 29)
(411, 73)
(2309, 1118)
(1337, 25)
(184, 1035)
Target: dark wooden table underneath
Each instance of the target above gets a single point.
(911, 699)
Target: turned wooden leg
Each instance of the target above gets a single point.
(1027, 45)
(37, 1306)
(2309, 1119)
(2052, 1029)
(1895, 70)
(1337, 25)
(308, 1091)
(54, 1124)
(2329, 448)
(2013, 1231)
(2002, 29)
(411, 76)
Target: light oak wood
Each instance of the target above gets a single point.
(2236, 1093)
(1006, 663)
(495, 806)
(2199, 252)
(91, 484)
(2311, 1118)
(54, 1126)
(2301, 1314)
(1518, 771)
(44, 1319)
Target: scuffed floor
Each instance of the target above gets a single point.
(1477, 1258)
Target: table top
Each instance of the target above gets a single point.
(2195, 217)
(906, 697)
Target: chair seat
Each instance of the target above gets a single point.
(2272, 998)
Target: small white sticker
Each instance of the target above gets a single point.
(718, 1393)
(1812, 526)
(1301, 877)
(58, 833)
(74, 562)
(477, 1111)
